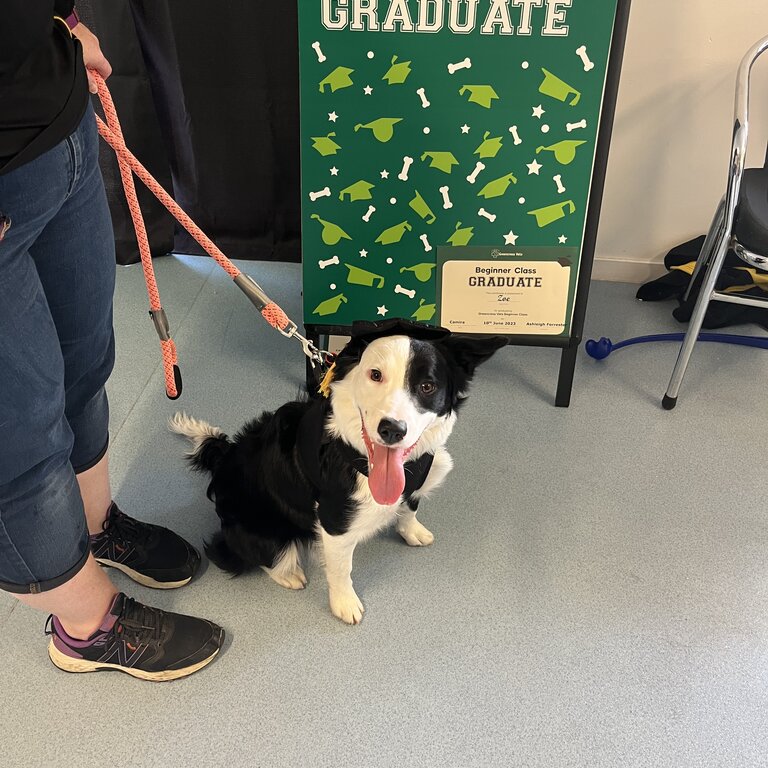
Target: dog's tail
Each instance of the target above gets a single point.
(209, 444)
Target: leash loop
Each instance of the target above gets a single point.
(112, 133)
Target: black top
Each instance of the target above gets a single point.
(43, 85)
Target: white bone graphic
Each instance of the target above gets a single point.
(427, 246)
(582, 54)
(516, 135)
(573, 126)
(320, 55)
(472, 178)
(490, 216)
(322, 193)
(407, 163)
(367, 216)
(466, 64)
(328, 262)
(399, 289)
(559, 181)
(425, 102)
(446, 199)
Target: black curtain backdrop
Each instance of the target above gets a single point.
(207, 95)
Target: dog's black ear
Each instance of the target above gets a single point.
(349, 357)
(467, 352)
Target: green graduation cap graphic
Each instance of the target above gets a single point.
(332, 233)
(383, 128)
(564, 151)
(394, 234)
(489, 147)
(551, 213)
(497, 187)
(422, 272)
(420, 205)
(325, 145)
(480, 94)
(425, 312)
(461, 236)
(397, 73)
(360, 190)
(330, 306)
(359, 276)
(558, 89)
(338, 79)
(443, 161)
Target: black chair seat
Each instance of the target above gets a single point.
(751, 225)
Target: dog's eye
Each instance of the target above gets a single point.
(376, 375)
(428, 388)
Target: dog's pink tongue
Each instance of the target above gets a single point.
(386, 474)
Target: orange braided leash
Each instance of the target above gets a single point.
(112, 133)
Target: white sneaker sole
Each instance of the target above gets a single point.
(140, 578)
(68, 664)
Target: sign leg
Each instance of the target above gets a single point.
(565, 378)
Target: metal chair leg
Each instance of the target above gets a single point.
(697, 318)
(707, 249)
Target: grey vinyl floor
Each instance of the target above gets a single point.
(597, 594)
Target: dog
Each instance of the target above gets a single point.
(335, 470)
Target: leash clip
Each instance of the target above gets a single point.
(316, 356)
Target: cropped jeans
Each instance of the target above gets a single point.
(57, 278)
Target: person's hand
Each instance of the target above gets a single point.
(92, 55)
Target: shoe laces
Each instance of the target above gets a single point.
(138, 623)
(125, 529)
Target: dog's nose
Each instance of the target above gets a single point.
(391, 431)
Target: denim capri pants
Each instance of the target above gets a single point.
(57, 279)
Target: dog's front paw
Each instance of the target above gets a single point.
(346, 606)
(414, 533)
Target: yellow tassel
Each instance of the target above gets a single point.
(325, 384)
(687, 268)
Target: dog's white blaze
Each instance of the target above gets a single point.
(389, 398)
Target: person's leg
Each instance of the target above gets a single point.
(81, 603)
(97, 494)
(75, 259)
(48, 421)
(44, 551)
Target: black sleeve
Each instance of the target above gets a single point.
(26, 24)
(63, 7)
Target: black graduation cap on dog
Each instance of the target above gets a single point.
(367, 331)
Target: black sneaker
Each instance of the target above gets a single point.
(150, 555)
(144, 642)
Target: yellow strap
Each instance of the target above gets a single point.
(325, 385)
(64, 22)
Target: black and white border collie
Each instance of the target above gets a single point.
(335, 470)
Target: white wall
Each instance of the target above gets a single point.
(671, 140)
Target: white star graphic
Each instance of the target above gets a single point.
(562, 239)
(382, 310)
(334, 171)
(465, 128)
(367, 90)
(538, 111)
(363, 253)
(385, 174)
(511, 238)
(534, 167)
(333, 117)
